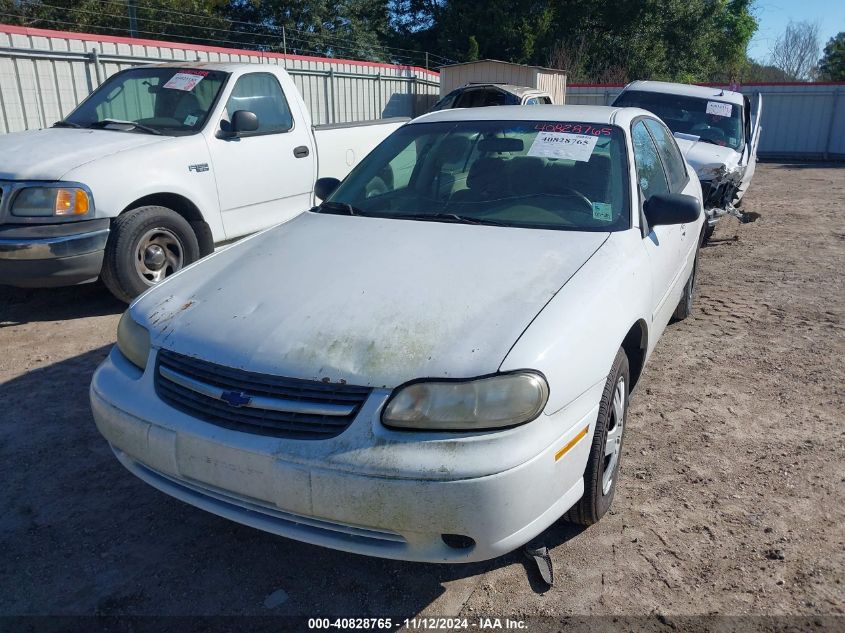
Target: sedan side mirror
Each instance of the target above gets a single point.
(324, 187)
(671, 208)
(244, 121)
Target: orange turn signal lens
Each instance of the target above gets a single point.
(71, 202)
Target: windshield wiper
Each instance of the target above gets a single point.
(449, 217)
(64, 123)
(137, 126)
(345, 207)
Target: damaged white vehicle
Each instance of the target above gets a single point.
(717, 132)
(435, 363)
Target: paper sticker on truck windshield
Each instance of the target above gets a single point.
(563, 145)
(719, 109)
(184, 81)
(602, 211)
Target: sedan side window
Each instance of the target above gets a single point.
(669, 154)
(650, 174)
(261, 93)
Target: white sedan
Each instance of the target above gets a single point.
(435, 363)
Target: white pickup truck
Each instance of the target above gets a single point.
(157, 166)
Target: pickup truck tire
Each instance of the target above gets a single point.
(146, 245)
(684, 308)
(602, 469)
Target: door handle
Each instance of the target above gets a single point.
(301, 151)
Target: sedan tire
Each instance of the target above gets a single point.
(603, 464)
(684, 308)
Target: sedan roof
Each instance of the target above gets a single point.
(580, 113)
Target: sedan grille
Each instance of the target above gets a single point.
(256, 403)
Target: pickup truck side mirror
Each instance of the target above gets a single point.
(324, 187)
(243, 121)
(671, 208)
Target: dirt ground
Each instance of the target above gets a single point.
(731, 500)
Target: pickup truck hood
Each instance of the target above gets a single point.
(51, 153)
(707, 159)
(368, 301)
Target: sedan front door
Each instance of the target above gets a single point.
(662, 243)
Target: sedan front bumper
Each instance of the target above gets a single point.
(47, 255)
(361, 491)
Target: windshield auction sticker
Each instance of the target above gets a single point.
(563, 145)
(718, 108)
(184, 81)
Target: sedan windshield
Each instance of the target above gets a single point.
(532, 174)
(162, 100)
(716, 122)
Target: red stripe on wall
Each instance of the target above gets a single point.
(91, 37)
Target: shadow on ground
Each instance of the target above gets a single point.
(28, 305)
(80, 535)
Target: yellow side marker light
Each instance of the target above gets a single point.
(572, 442)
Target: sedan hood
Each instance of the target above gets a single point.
(707, 159)
(50, 154)
(367, 301)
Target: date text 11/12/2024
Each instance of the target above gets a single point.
(428, 624)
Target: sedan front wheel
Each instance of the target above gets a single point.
(602, 471)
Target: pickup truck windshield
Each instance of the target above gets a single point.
(173, 101)
(714, 121)
(532, 174)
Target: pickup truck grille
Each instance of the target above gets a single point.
(256, 403)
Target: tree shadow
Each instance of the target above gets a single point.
(27, 305)
(88, 538)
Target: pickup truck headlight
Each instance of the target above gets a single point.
(133, 340)
(50, 201)
(468, 405)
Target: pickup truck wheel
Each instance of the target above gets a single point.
(145, 246)
(684, 308)
(708, 233)
(603, 464)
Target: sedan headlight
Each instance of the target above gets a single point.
(133, 340)
(468, 405)
(51, 201)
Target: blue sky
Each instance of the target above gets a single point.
(774, 15)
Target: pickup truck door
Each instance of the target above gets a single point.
(662, 243)
(752, 141)
(266, 176)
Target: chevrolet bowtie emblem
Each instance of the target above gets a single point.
(235, 398)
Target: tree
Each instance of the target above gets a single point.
(755, 72)
(472, 50)
(795, 52)
(684, 40)
(832, 63)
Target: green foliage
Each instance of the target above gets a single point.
(832, 63)
(472, 50)
(594, 40)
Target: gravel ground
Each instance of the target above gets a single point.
(731, 500)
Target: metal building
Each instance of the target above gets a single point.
(493, 71)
